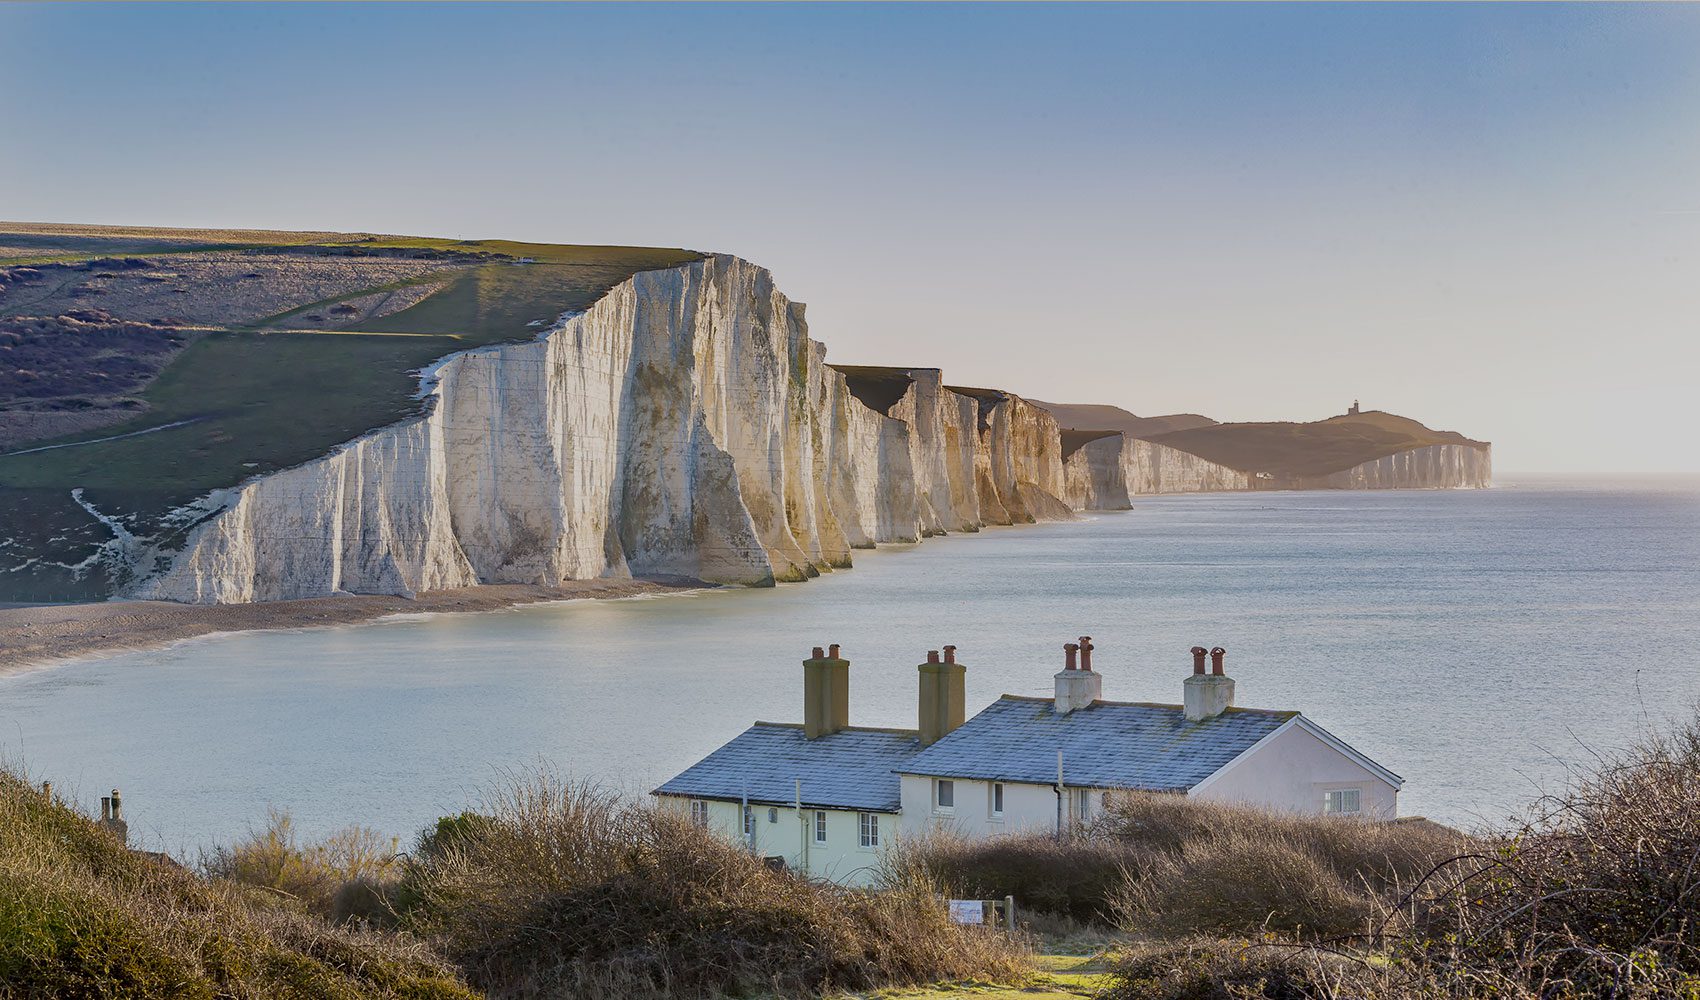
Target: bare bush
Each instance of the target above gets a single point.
(566, 890)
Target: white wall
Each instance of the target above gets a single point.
(841, 859)
(1026, 808)
(1292, 771)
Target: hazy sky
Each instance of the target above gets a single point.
(1484, 217)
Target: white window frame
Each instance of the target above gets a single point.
(772, 814)
(995, 800)
(943, 787)
(699, 813)
(868, 830)
(820, 826)
(749, 821)
(1081, 807)
(1355, 794)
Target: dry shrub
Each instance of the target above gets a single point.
(568, 891)
(1597, 894)
(1237, 884)
(1170, 865)
(348, 875)
(83, 916)
(1214, 969)
(1075, 878)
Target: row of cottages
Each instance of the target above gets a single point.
(825, 797)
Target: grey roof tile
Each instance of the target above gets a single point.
(1109, 745)
(850, 769)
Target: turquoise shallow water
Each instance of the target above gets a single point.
(1475, 642)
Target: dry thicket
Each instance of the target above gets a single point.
(562, 889)
(83, 916)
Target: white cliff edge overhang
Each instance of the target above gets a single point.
(684, 425)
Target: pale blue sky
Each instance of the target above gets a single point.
(1486, 217)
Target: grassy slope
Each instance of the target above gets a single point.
(81, 916)
(1097, 417)
(1312, 449)
(261, 399)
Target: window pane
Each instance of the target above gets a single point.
(997, 797)
(947, 794)
(820, 827)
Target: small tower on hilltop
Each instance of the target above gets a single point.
(1353, 411)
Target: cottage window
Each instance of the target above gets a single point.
(820, 826)
(699, 813)
(946, 797)
(773, 815)
(1341, 801)
(997, 799)
(1082, 804)
(869, 824)
(749, 821)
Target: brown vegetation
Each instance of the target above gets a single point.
(565, 890)
(1596, 895)
(82, 916)
(1164, 865)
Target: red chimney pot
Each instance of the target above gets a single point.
(1086, 652)
(950, 654)
(932, 656)
(832, 650)
(1216, 660)
(819, 653)
(1198, 654)
(1069, 649)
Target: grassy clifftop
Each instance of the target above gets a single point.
(149, 366)
(1286, 449)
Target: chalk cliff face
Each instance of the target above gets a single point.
(1439, 466)
(1097, 475)
(1156, 468)
(684, 425)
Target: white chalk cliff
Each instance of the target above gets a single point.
(684, 425)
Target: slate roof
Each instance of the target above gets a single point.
(1108, 745)
(850, 769)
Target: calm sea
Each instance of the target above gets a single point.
(1478, 643)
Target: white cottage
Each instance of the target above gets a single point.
(825, 797)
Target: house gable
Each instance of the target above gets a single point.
(1295, 766)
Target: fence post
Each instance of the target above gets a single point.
(1009, 914)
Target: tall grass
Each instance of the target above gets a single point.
(83, 916)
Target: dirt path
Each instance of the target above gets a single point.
(35, 635)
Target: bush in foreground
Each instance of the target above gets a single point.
(82, 916)
(1164, 864)
(566, 890)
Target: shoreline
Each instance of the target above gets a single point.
(36, 636)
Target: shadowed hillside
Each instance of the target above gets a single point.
(1097, 417)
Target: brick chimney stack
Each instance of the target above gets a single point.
(826, 693)
(942, 703)
(1079, 686)
(1207, 695)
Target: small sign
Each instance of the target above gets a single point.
(967, 911)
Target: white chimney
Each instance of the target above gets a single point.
(1077, 686)
(1207, 695)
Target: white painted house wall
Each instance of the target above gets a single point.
(841, 859)
(1027, 808)
(1293, 770)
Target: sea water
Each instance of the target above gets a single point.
(1483, 644)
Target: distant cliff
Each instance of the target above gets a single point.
(685, 424)
(1369, 450)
